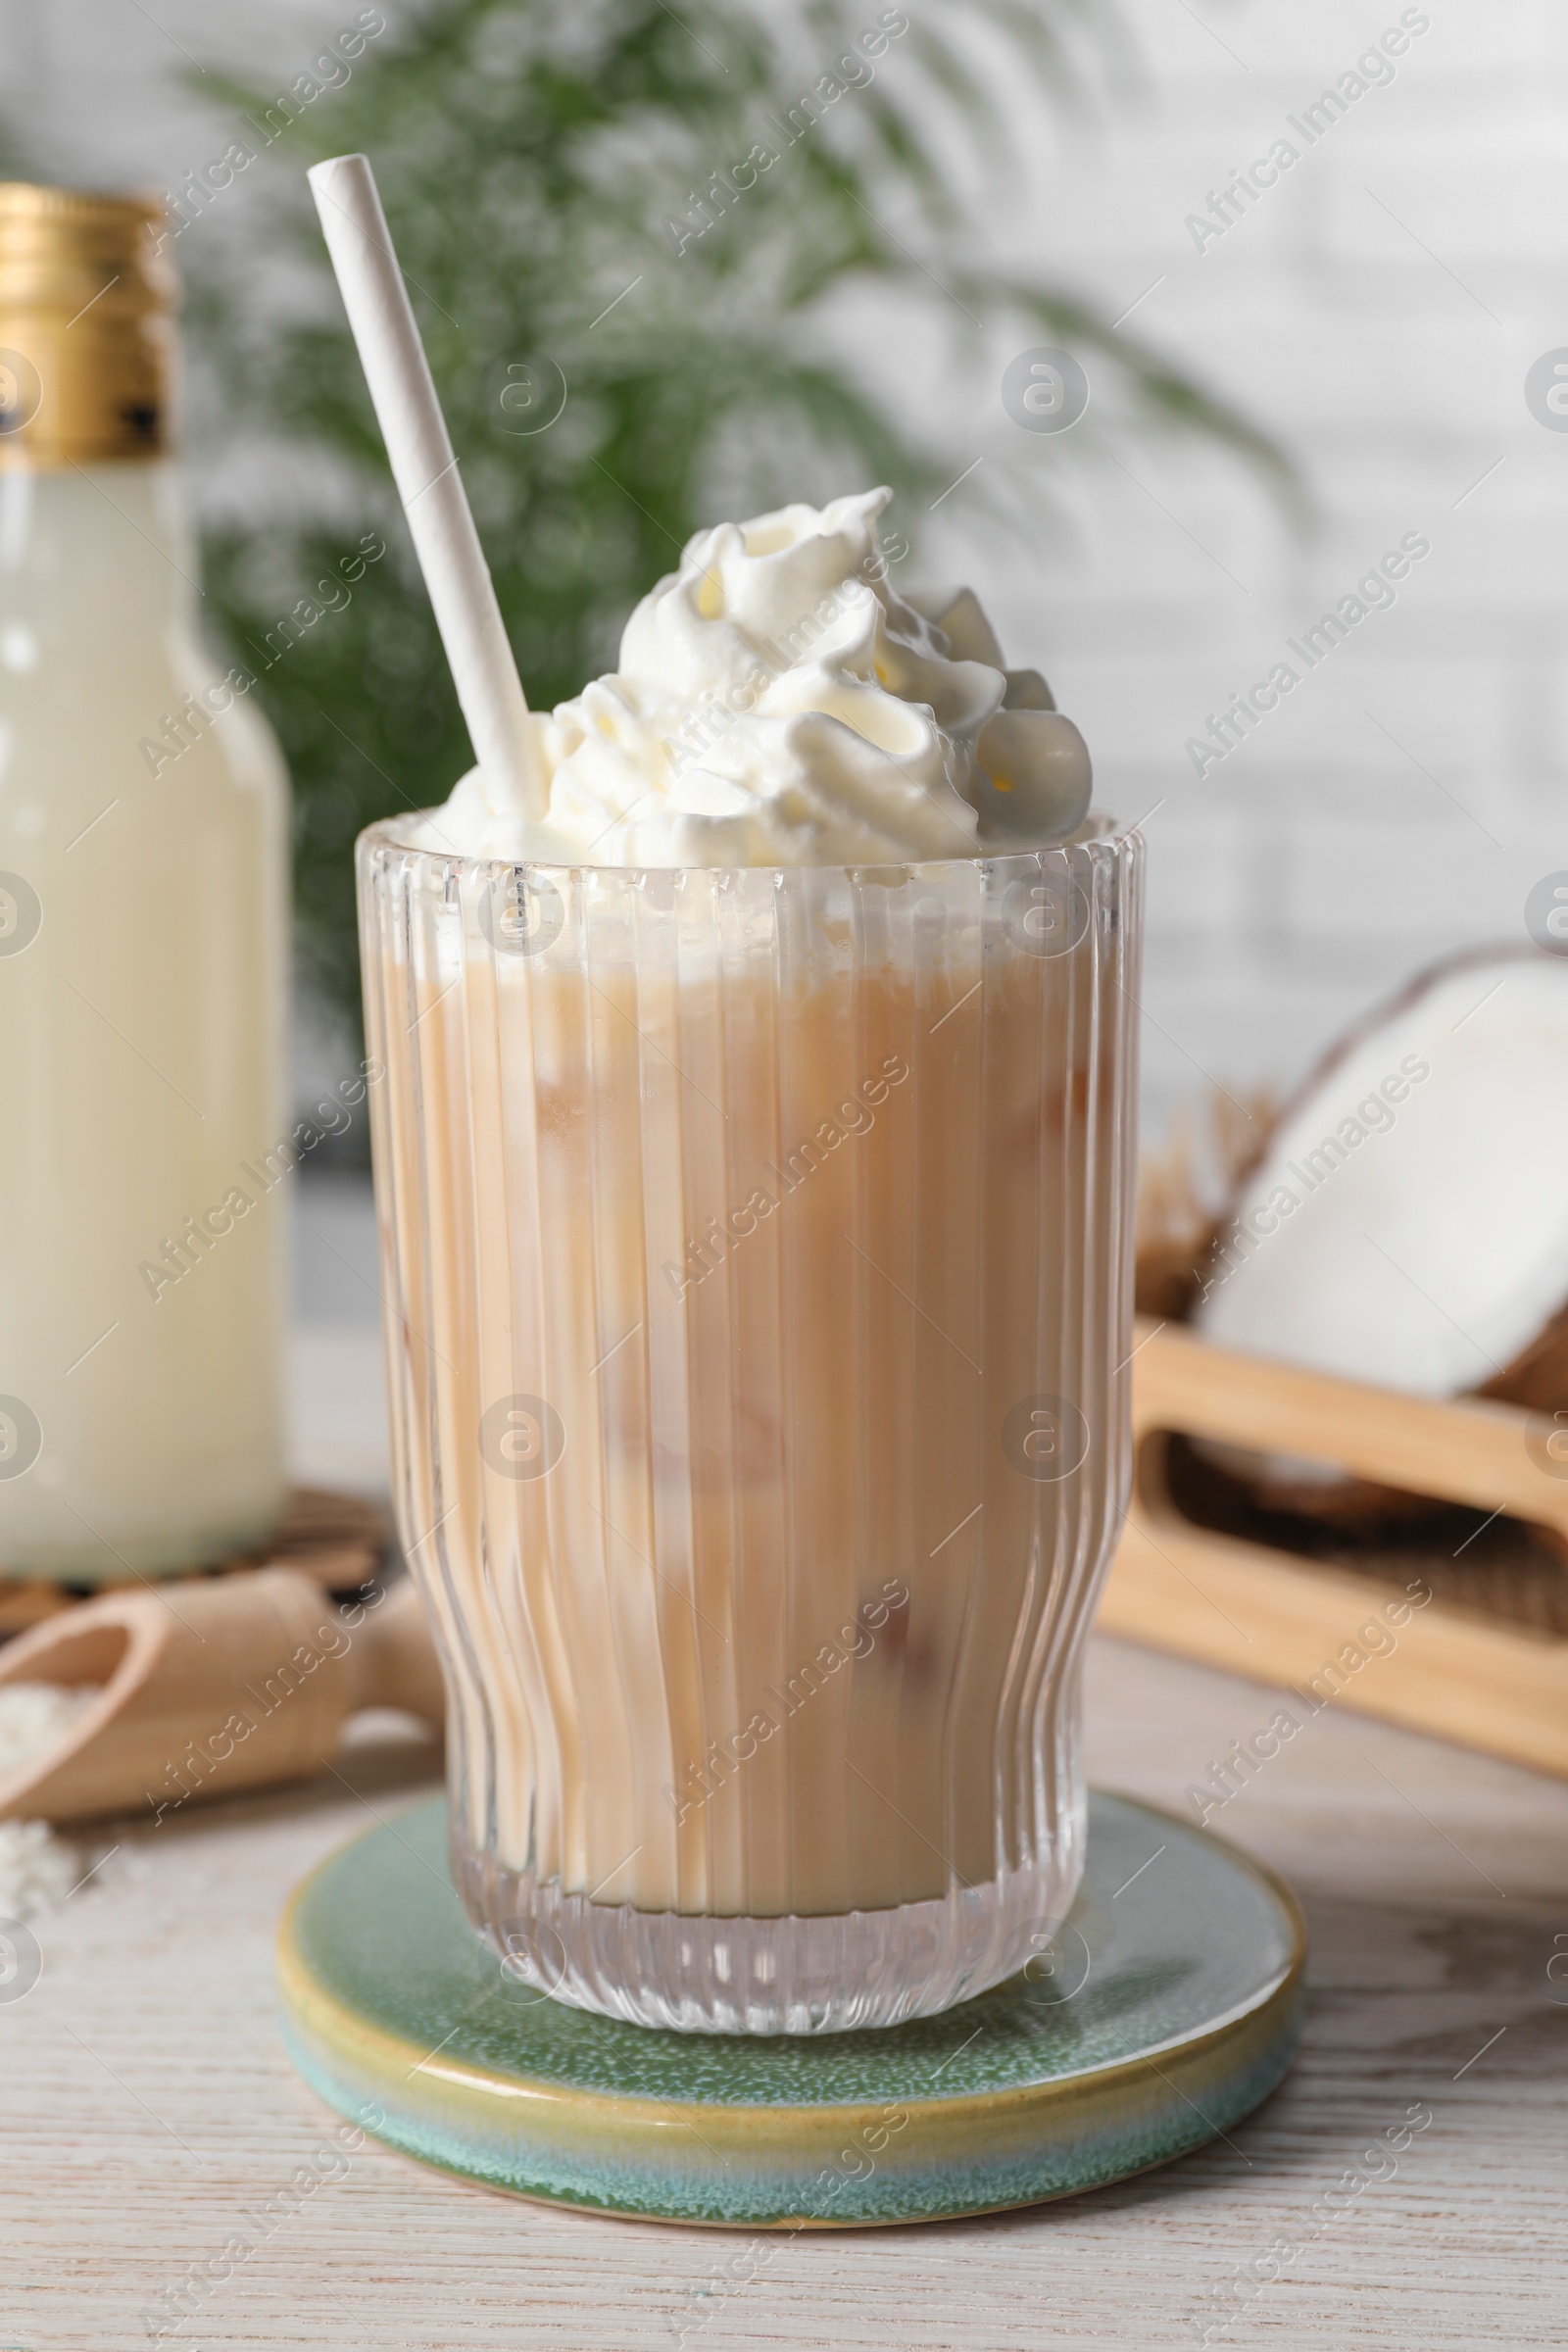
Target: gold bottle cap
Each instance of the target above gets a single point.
(87, 338)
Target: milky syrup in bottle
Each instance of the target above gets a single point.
(142, 947)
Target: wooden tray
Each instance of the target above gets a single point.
(1483, 1661)
(340, 1540)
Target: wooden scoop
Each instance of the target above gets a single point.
(226, 1685)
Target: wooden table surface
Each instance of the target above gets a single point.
(148, 2115)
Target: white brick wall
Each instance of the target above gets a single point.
(1318, 863)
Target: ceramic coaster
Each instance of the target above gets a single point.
(1165, 2011)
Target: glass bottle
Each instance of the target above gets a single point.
(143, 948)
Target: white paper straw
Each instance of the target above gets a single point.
(456, 573)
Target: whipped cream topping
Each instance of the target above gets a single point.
(779, 704)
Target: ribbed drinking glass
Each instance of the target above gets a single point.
(756, 1251)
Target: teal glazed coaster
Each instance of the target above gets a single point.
(1165, 2011)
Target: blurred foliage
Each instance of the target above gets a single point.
(532, 159)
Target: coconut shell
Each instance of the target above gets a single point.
(1538, 1377)
(1211, 1153)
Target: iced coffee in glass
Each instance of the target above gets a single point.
(753, 1168)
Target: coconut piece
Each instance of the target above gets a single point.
(1406, 1220)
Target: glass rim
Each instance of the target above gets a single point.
(1098, 830)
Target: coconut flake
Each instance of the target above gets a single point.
(37, 1869)
(36, 1717)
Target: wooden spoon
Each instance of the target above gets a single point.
(239, 1681)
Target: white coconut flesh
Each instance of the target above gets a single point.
(1408, 1224)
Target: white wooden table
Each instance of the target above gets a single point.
(148, 2115)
